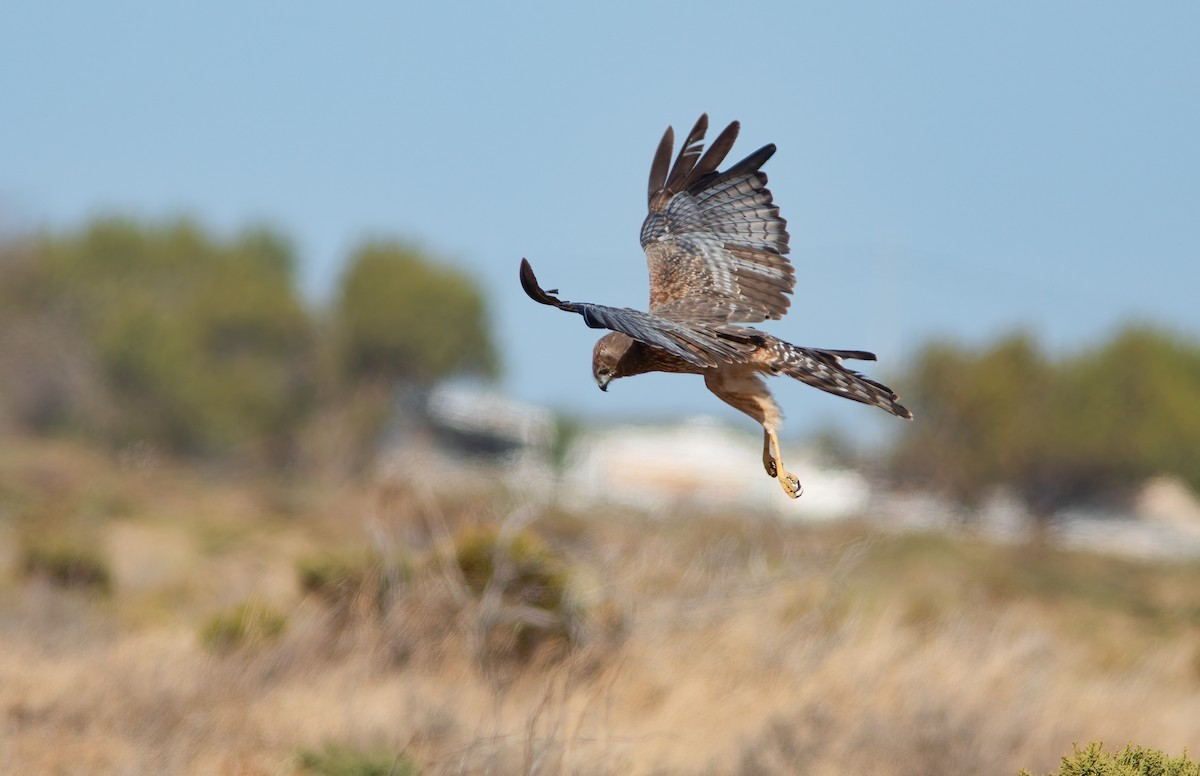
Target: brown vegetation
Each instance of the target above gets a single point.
(724, 646)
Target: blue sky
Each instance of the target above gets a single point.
(947, 169)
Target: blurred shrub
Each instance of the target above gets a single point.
(524, 567)
(66, 563)
(524, 581)
(1058, 431)
(352, 581)
(1092, 760)
(248, 625)
(342, 761)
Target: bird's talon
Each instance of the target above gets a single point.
(791, 485)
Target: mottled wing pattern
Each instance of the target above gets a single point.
(823, 369)
(715, 243)
(696, 345)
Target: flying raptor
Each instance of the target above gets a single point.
(717, 253)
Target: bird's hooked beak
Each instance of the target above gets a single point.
(603, 381)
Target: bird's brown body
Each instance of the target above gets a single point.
(716, 250)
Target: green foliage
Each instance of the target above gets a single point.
(979, 415)
(168, 336)
(530, 571)
(250, 624)
(1092, 760)
(200, 345)
(1056, 430)
(66, 563)
(528, 577)
(342, 761)
(352, 581)
(401, 318)
(1137, 398)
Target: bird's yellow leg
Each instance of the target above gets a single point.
(787, 480)
(768, 459)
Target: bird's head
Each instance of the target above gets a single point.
(606, 358)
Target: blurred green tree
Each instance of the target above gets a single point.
(163, 333)
(1085, 427)
(980, 416)
(197, 345)
(400, 324)
(1131, 409)
(404, 319)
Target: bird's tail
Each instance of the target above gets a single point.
(823, 369)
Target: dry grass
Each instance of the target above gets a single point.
(717, 646)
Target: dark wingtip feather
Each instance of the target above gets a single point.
(661, 164)
(857, 355)
(752, 162)
(717, 152)
(689, 153)
(535, 292)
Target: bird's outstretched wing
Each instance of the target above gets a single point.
(701, 346)
(715, 243)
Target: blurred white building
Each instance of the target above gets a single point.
(704, 466)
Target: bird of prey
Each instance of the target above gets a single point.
(717, 253)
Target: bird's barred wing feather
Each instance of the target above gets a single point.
(701, 346)
(715, 243)
(823, 369)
